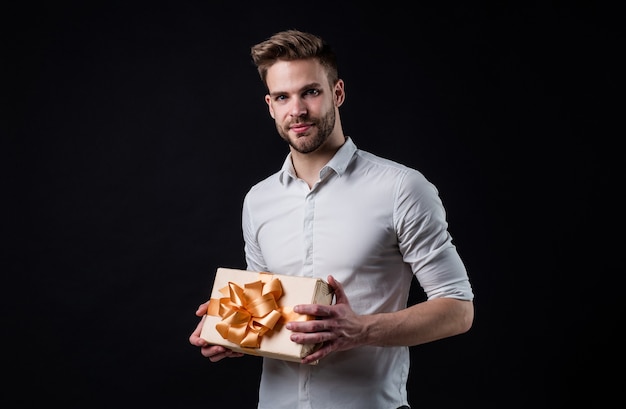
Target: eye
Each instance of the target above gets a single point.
(281, 97)
(312, 91)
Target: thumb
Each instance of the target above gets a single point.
(340, 295)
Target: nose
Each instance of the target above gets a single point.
(297, 108)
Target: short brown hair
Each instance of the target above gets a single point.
(292, 45)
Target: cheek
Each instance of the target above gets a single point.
(278, 113)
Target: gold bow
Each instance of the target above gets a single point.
(249, 312)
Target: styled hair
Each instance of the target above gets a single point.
(290, 45)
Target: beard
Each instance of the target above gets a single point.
(315, 137)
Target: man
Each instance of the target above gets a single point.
(366, 224)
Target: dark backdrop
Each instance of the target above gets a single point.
(135, 129)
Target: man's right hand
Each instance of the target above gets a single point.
(213, 352)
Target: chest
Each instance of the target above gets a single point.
(337, 226)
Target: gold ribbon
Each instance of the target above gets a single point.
(250, 312)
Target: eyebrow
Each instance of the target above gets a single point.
(311, 85)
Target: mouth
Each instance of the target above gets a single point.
(300, 128)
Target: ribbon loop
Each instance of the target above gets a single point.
(249, 312)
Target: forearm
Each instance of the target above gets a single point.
(421, 323)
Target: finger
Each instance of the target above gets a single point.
(216, 353)
(234, 354)
(202, 309)
(340, 295)
(317, 355)
(317, 310)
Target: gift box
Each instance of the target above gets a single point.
(248, 310)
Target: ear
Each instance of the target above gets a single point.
(339, 93)
(268, 101)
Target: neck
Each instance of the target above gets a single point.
(308, 165)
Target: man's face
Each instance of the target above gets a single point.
(301, 102)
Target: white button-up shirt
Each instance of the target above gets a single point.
(373, 224)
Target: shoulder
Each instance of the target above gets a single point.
(407, 186)
(265, 187)
(403, 173)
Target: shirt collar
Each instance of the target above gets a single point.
(338, 163)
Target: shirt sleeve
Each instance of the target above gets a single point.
(254, 258)
(425, 242)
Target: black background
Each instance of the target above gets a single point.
(134, 130)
